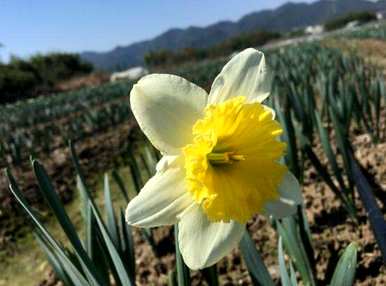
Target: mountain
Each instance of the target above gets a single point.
(283, 19)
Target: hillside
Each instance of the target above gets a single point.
(283, 19)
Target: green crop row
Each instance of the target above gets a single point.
(45, 123)
(374, 31)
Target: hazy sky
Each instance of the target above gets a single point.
(30, 26)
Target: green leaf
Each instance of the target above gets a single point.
(128, 246)
(121, 185)
(284, 277)
(113, 252)
(210, 275)
(293, 275)
(345, 270)
(73, 273)
(52, 258)
(112, 225)
(289, 232)
(57, 207)
(256, 267)
(328, 150)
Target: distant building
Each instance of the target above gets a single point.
(352, 24)
(381, 15)
(130, 74)
(314, 30)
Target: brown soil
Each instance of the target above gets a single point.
(97, 154)
(331, 231)
(79, 82)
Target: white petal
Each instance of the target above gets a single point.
(166, 107)
(290, 198)
(203, 243)
(160, 201)
(246, 75)
(167, 162)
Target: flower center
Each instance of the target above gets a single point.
(232, 167)
(224, 158)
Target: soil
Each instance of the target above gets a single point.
(97, 154)
(90, 80)
(332, 230)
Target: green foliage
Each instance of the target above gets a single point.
(375, 31)
(104, 255)
(345, 270)
(30, 126)
(243, 41)
(21, 79)
(106, 248)
(340, 22)
(255, 265)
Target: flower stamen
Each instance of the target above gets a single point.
(224, 158)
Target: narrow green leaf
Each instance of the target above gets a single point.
(210, 275)
(294, 247)
(52, 258)
(121, 185)
(328, 150)
(113, 252)
(128, 246)
(111, 224)
(374, 212)
(73, 273)
(57, 207)
(284, 277)
(293, 275)
(255, 265)
(345, 270)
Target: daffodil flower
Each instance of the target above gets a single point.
(221, 158)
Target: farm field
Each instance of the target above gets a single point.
(329, 97)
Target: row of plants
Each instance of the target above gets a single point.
(45, 123)
(105, 254)
(370, 31)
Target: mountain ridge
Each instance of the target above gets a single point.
(285, 18)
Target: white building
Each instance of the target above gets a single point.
(314, 30)
(130, 74)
